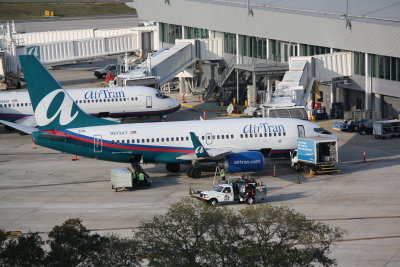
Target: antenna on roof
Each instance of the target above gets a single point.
(346, 16)
(249, 10)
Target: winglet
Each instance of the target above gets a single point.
(199, 150)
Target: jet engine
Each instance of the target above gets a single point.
(244, 162)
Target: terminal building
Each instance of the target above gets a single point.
(260, 30)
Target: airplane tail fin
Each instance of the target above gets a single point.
(53, 107)
(198, 147)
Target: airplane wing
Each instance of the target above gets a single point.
(29, 121)
(200, 153)
(20, 127)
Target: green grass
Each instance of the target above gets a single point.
(13, 10)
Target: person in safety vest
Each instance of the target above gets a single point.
(222, 173)
(141, 177)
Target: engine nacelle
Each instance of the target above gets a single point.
(244, 162)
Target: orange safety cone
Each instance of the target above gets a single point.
(199, 100)
(274, 174)
(183, 99)
(205, 115)
(74, 157)
(364, 157)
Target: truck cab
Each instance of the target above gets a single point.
(221, 193)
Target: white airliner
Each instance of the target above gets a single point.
(238, 145)
(113, 102)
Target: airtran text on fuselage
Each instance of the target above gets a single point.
(263, 128)
(104, 94)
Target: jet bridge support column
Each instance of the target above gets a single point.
(368, 85)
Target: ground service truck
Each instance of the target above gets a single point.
(235, 190)
(315, 155)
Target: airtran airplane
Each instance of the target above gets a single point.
(238, 145)
(113, 102)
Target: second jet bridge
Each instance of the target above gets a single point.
(165, 64)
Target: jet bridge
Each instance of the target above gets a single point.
(292, 94)
(160, 67)
(165, 64)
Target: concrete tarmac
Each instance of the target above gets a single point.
(40, 188)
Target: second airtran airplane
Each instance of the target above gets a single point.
(113, 102)
(239, 145)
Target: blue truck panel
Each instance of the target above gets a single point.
(306, 150)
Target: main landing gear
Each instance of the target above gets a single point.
(173, 167)
(194, 172)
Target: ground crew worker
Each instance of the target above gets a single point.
(134, 178)
(141, 177)
(222, 173)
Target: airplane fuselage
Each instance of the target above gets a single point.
(117, 102)
(164, 142)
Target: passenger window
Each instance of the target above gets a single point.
(167, 139)
(1, 105)
(279, 134)
(112, 142)
(270, 134)
(162, 139)
(123, 141)
(217, 136)
(117, 141)
(120, 99)
(232, 136)
(222, 137)
(284, 134)
(251, 135)
(124, 99)
(182, 139)
(17, 104)
(227, 136)
(127, 141)
(148, 140)
(136, 98)
(246, 135)
(112, 99)
(187, 138)
(213, 137)
(142, 140)
(158, 139)
(108, 100)
(241, 135)
(274, 134)
(138, 141)
(133, 141)
(152, 140)
(132, 98)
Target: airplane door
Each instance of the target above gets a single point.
(209, 139)
(98, 143)
(301, 131)
(149, 102)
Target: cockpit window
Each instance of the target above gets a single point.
(321, 131)
(161, 95)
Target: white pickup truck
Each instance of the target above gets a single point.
(235, 191)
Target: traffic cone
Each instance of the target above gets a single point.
(205, 115)
(74, 157)
(183, 99)
(274, 174)
(364, 157)
(199, 100)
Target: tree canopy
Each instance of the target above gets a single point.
(191, 233)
